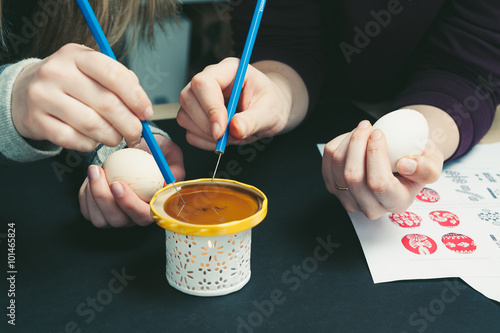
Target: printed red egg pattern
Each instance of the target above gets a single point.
(406, 219)
(428, 195)
(459, 243)
(419, 244)
(444, 218)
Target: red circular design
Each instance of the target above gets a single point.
(419, 244)
(444, 218)
(459, 243)
(406, 219)
(428, 195)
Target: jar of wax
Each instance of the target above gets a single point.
(208, 237)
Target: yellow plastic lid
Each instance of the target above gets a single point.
(171, 223)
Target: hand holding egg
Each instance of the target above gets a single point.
(359, 167)
(406, 133)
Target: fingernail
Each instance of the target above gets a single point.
(93, 172)
(376, 134)
(116, 189)
(364, 124)
(148, 113)
(407, 166)
(216, 130)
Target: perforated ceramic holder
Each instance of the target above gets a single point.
(208, 260)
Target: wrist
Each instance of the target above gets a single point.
(295, 98)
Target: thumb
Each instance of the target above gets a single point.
(420, 169)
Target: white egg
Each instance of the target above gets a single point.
(406, 133)
(136, 168)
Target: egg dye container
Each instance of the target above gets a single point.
(208, 259)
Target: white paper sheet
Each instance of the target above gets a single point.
(458, 220)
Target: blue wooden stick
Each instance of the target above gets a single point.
(240, 74)
(103, 43)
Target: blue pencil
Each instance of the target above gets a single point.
(103, 43)
(240, 76)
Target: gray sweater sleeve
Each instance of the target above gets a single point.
(13, 147)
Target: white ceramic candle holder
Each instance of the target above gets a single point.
(208, 260)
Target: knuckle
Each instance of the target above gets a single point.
(198, 80)
(133, 77)
(133, 132)
(139, 100)
(182, 118)
(331, 189)
(337, 158)
(212, 111)
(378, 185)
(99, 195)
(99, 224)
(144, 222)
(70, 47)
(185, 97)
(86, 145)
(112, 140)
(374, 148)
(108, 103)
(136, 129)
(36, 93)
(330, 148)
(230, 60)
(116, 222)
(93, 126)
(58, 137)
(48, 70)
(353, 176)
(192, 139)
(114, 72)
(372, 215)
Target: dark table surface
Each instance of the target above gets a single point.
(309, 273)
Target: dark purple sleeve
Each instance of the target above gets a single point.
(459, 68)
(290, 32)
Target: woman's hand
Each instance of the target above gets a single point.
(117, 205)
(78, 98)
(265, 106)
(356, 169)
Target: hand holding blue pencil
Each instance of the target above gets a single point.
(105, 48)
(240, 76)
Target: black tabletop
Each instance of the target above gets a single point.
(309, 273)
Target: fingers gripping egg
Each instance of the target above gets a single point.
(406, 132)
(136, 168)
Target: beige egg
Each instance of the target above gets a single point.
(406, 132)
(136, 168)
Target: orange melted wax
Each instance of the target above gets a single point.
(211, 204)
